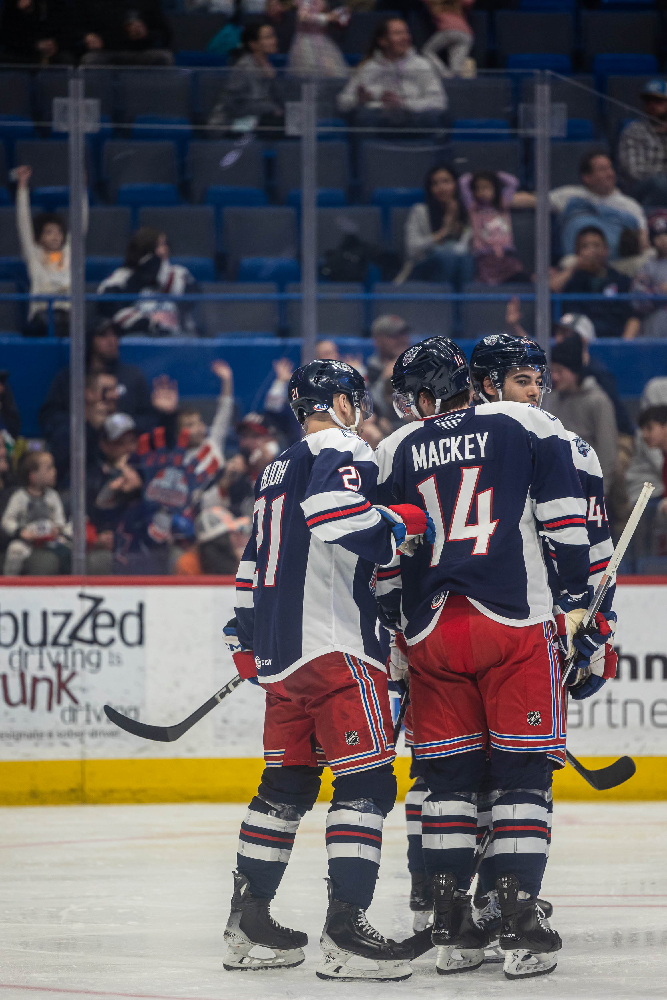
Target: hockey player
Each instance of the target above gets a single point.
(305, 607)
(476, 612)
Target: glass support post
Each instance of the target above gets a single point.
(308, 220)
(542, 211)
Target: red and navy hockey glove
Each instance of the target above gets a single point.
(596, 658)
(244, 659)
(410, 525)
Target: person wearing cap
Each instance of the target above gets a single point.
(391, 336)
(652, 280)
(642, 149)
(581, 405)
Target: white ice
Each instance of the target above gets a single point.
(131, 901)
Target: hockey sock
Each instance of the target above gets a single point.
(487, 871)
(449, 830)
(265, 844)
(413, 822)
(520, 834)
(354, 843)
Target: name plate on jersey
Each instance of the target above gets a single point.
(452, 448)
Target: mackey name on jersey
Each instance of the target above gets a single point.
(457, 448)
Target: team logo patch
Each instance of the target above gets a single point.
(437, 601)
(583, 447)
(409, 355)
(352, 737)
(448, 423)
(534, 719)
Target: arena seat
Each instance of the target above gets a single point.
(479, 318)
(147, 92)
(108, 230)
(237, 317)
(126, 162)
(282, 270)
(565, 159)
(544, 32)
(190, 229)
(473, 156)
(333, 224)
(335, 317)
(490, 95)
(333, 169)
(425, 317)
(618, 31)
(48, 158)
(15, 93)
(385, 165)
(11, 313)
(222, 162)
(259, 233)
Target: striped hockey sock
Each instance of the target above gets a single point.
(487, 870)
(265, 845)
(413, 823)
(449, 830)
(521, 823)
(354, 844)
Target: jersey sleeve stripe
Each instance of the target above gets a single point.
(319, 503)
(598, 567)
(337, 514)
(389, 573)
(564, 522)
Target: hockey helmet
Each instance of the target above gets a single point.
(438, 365)
(313, 386)
(499, 353)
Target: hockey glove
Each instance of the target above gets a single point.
(398, 661)
(244, 659)
(569, 613)
(591, 672)
(410, 525)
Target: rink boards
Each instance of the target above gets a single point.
(153, 651)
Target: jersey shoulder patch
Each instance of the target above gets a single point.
(584, 456)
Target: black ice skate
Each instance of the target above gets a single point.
(529, 943)
(352, 949)
(459, 940)
(421, 901)
(486, 914)
(251, 926)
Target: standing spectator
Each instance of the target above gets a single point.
(147, 269)
(591, 274)
(251, 88)
(34, 518)
(453, 36)
(437, 234)
(581, 405)
(652, 280)
(394, 87)
(312, 51)
(642, 148)
(45, 248)
(191, 421)
(488, 197)
(33, 31)
(124, 33)
(647, 462)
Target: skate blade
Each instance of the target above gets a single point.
(493, 953)
(524, 964)
(238, 958)
(452, 960)
(421, 920)
(344, 966)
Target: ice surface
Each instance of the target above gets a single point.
(131, 901)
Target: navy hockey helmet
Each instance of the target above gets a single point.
(438, 365)
(499, 353)
(313, 386)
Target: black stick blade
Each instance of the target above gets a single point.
(420, 942)
(615, 774)
(160, 734)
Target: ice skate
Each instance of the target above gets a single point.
(421, 901)
(353, 949)
(252, 929)
(459, 940)
(486, 914)
(529, 943)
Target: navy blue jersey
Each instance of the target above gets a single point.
(305, 585)
(494, 479)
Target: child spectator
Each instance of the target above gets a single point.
(488, 197)
(652, 279)
(147, 269)
(453, 36)
(34, 517)
(312, 51)
(45, 248)
(437, 234)
(190, 418)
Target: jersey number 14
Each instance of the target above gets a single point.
(459, 528)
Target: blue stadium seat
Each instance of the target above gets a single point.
(221, 195)
(201, 268)
(152, 127)
(238, 318)
(15, 93)
(619, 31)
(279, 269)
(326, 198)
(140, 162)
(580, 128)
(479, 130)
(194, 59)
(260, 233)
(545, 5)
(614, 64)
(135, 195)
(51, 197)
(332, 166)
(544, 32)
(151, 92)
(490, 95)
(556, 62)
(5, 198)
(388, 165)
(99, 268)
(581, 101)
(335, 317)
(488, 156)
(190, 229)
(223, 163)
(424, 316)
(108, 230)
(389, 198)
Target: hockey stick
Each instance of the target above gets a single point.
(167, 734)
(405, 701)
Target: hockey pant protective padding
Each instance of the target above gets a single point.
(354, 832)
(413, 822)
(267, 832)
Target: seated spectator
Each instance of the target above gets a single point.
(394, 87)
(591, 274)
(10, 420)
(437, 234)
(34, 519)
(453, 37)
(45, 248)
(124, 33)
(251, 90)
(652, 280)
(488, 196)
(581, 405)
(147, 269)
(597, 201)
(642, 149)
(33, 31)
(312, 52)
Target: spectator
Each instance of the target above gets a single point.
(581, 405)
(597, 201)
(190, 419)
(394, 87)
(391, 336)
(45, 248)
(257, 443)
(437, 234)
(591, 274)
(642, 149)
(653, 430)
(34, 518)
(10, 421)
(216, 548)
(488, 197)
(453, 36)
(147, 269)
(312, 51)
(282, 18)
(652, 280)
(124, 33)
(647, 462)
(6, 490)
(251, 90)
(33, 32)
